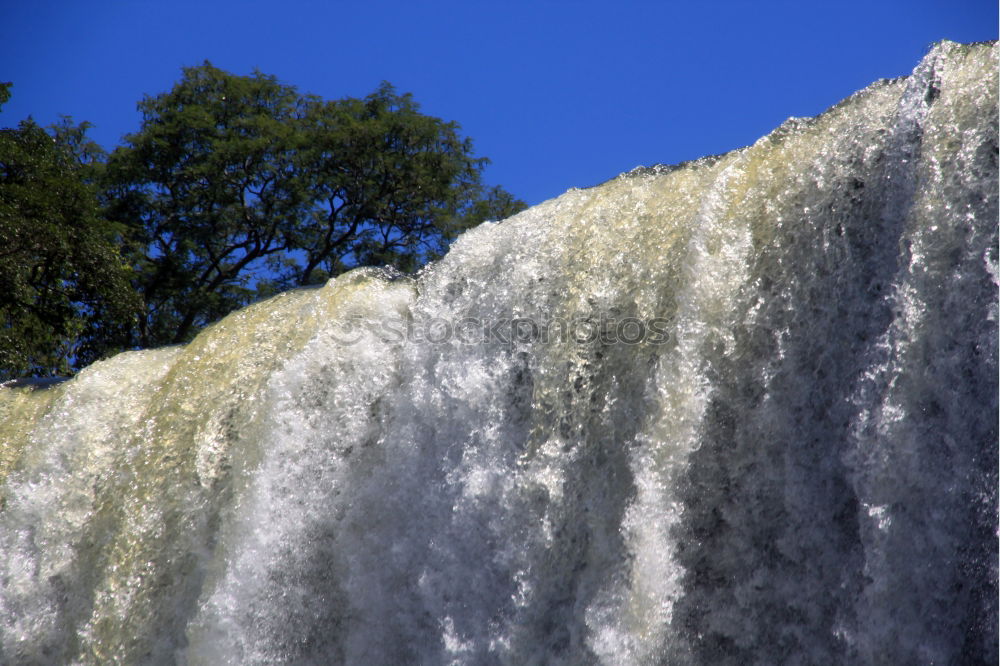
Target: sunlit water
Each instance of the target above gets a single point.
(746, 412)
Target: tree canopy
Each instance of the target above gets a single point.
(234, 188)
(63, 284)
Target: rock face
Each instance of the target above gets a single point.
(739, 411)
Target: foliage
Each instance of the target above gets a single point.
(63, 285)
(236, 187)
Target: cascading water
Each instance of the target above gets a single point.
(743, 410)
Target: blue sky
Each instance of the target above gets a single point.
(556, 94)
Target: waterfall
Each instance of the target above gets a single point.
(737, 411)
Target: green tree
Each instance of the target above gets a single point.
(238, 186)
(210, 188)
(64, 288)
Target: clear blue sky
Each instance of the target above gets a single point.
(556, 94)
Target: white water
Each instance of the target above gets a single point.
(801, 469)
